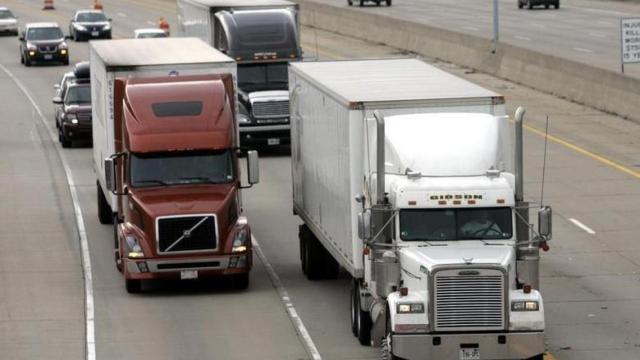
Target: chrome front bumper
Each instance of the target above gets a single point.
(516, 346)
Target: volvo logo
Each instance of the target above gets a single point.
(467, 261)
(186, 234)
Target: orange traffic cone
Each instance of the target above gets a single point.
(164, 25)
(97, 5)
(48, 5)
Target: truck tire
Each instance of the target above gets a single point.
(388, 2)
(363, 321)
(350, 2)
(557, 5)
(240, 281)
(361, 3)
(354, 306)
(116, 245)
(104, 209)
(133, 286)
(537, 357)
(317, 262)
(520, 4)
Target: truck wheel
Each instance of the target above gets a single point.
(361, 3)
(537, 357)
(363, 322)
(377, 2)
(388, 2)
(116, 245)
(354, 306)
(104, 209)
(134, 286)
(313, 254)
(350, 3)
(530, 4)
(520, 4)
(546, 6)
(240, 281)
(557, 5)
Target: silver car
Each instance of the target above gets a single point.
(8, 22)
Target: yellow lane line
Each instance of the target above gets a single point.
(586, 152)
(549, 356)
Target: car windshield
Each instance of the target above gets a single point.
(182, 168)
(6, 14)
(456, 224)
(151, 35)
(91, 17)
(258, 77)
(78, 95)
(44, 33)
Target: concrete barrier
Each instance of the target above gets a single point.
(602, 89)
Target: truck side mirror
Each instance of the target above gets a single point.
(110, 173)
(253, 170)
(544, 222)
(364, 225)
(57, 100)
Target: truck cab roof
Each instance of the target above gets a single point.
(192, 113)
(221, 4)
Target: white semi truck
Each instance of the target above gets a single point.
(443, 258)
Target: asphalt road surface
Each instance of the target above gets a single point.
(591, 276)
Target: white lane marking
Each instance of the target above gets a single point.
(309, 345)
(122, 14)
(82, 233)
(597, 35)
(538, 25)
(473, 28)
(582, 226)
(583, 50)
(151, 23)
(522, 38)
(606, 23)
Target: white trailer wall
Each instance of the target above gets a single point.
(329, 159)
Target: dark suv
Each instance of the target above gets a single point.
(41, 42)
(74, 118)
(531, 3)
(89, 24)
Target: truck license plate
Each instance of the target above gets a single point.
(188, 274)
(273, 141)
(470, 354)
(95, 33)
(48, 57)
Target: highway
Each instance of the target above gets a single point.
(590, 277)
(583, 30)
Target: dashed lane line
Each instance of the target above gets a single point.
(582, 226)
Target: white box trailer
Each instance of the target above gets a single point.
(330, 102)
(111, 59)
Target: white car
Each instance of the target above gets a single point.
(8, 21)
(149, 33)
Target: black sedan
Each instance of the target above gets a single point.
(89, 24)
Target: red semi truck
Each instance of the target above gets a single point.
(165, 150)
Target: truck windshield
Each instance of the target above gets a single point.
(181, 168)
(456, 224)
(260, 77)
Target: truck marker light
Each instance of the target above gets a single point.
(471, 202)
(442, 202)
(433, 197)
(365, 251)
(458, 196)
(456, 202)
(135, 254)
(404, 291)
(292, 56)
(500, 201)
(526, 288)
(412, 202)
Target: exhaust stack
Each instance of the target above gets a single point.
(518, 156)
(380, 160)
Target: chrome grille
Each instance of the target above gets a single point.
(469, 299)
(186, 233)
(271, 109)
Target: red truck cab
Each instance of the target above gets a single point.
(177, 179)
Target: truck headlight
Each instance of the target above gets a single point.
(243, 119)
(524, 306)
(135, 250)
(240, 241)
(410, 308)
